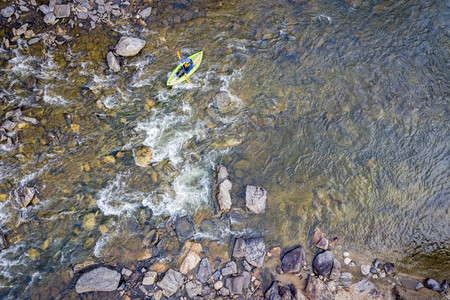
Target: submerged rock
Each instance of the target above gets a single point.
(294, 260)
(143, 156)
(319, 239)
(7, 11)
(184, 227)
(113, 62)
(255, 199)
(100, 279)
(253, 249)
(145, 13)
(129, 46)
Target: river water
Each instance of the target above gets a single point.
(340, 111)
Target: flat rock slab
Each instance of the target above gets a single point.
(255, 199)
(171, 282)
(98, 280)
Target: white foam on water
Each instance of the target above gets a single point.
(6, 262)
(165, 135)
(190, 191)
(51, 98)
(100, 244)
(114, 199)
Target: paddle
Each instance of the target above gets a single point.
(179, 57)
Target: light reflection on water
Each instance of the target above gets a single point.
(342, 114)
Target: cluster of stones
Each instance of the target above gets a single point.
(82, 13)
(11, 122)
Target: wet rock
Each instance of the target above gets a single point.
(319, 239)
(3, 241)
(82, 15)
(230, 268)
(30, 120)
(30, 82)
(62, 11)
(204, 270)
(50, 19)
(184, 227)
(323, 263)
(347, 260)
(143, 156)
(145, 13)
(194, 288)
(279, 292)
(129, 46)
(364, 287)
(365, 269)
(352, 264)
(8, 125)
(255, 199)
(45, 9)
(100, 279)
(149, 278)
(171, 282)
(317, 290)
(190, 262)
(294, 260)
(26, 195)
(126, 272)
(218, 285)
(34, 41)
(218, 227)
(223, 188)
(238, 284)
(7, 11)
(336, 271)
(223, 101)
(389, 268)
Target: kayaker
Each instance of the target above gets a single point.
(186, 67)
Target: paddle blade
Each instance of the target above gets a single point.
(178, 54)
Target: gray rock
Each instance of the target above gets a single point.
(100, 279)
(217, 228)
(255, 251)
(238, 219)
(223, 188)
(24, 8)
(45, 9)
(317, 290)
(238, 284)
(294, 260)
(364, 287)
(204, 271)
(13, 113)
(434, 285)
(145, 13)
(50, 19)
(230, 268)
(126, 272)
(33, 41)
(30, 120)
(7, 11)
(116, 13)
(419, 285)
(255, 199)
(224, 291)
(62, 11)
(171, 282)
(272, 293)
(129, 46)
(113, 62)
(82, 15)
(389, 267)
(336, 271)
(239, 248)
(194, 288)
(8, 125)
(247, 266)
(323, 263)
(100, 2)
(149, 278)
(26, 194)
(223, 101)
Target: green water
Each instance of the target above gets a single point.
(341, 114)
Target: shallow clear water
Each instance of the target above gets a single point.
(341, 114)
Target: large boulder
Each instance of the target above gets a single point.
(184, 227)
(255, 199)
(294, 260)
(316, 289)
(171, 282)
(238, 284)
(100, 279)
(223, 188)
(129, 46)
(323, 263)
(253, 249)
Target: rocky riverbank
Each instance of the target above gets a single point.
(247, 267)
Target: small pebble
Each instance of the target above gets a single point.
(419, 285)
(320, 277)
(365, 269)
(375, 276)
(347, 260)
(373, 270)
(346, 254)
(382, 274)
(352, 264)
